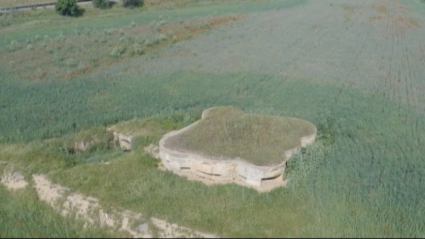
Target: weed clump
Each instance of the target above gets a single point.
(118, 51)
(13, 46)
(108, 32)
(138, 48)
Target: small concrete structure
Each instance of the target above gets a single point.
(223, 170)
(83, 145)
(125, 141)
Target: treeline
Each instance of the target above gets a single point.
(33, 6)
(71, 8)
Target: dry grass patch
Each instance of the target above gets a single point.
(229, 132)
(61, 57)
(382, 9)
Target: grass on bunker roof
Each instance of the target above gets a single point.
(227, 132)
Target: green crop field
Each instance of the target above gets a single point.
(354, 69)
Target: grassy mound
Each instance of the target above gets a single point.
(229, 132)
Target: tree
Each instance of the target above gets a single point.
(132, 3)
(68, 8)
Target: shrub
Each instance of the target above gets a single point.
(132, 3)
(102, 4)
(13, 46)
(68, 8)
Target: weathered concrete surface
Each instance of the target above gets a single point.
(182, 161)
(83, 145)
(125, 141)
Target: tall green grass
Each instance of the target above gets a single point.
(364, 176)
(22, 215)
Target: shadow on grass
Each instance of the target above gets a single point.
(110, 4)
(79, 12)
(103, 4)
(133, 3)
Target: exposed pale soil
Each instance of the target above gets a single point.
(13, 183)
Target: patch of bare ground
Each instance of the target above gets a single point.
(12, 182)
(193, 27)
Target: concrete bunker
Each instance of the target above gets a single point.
(227, 145)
